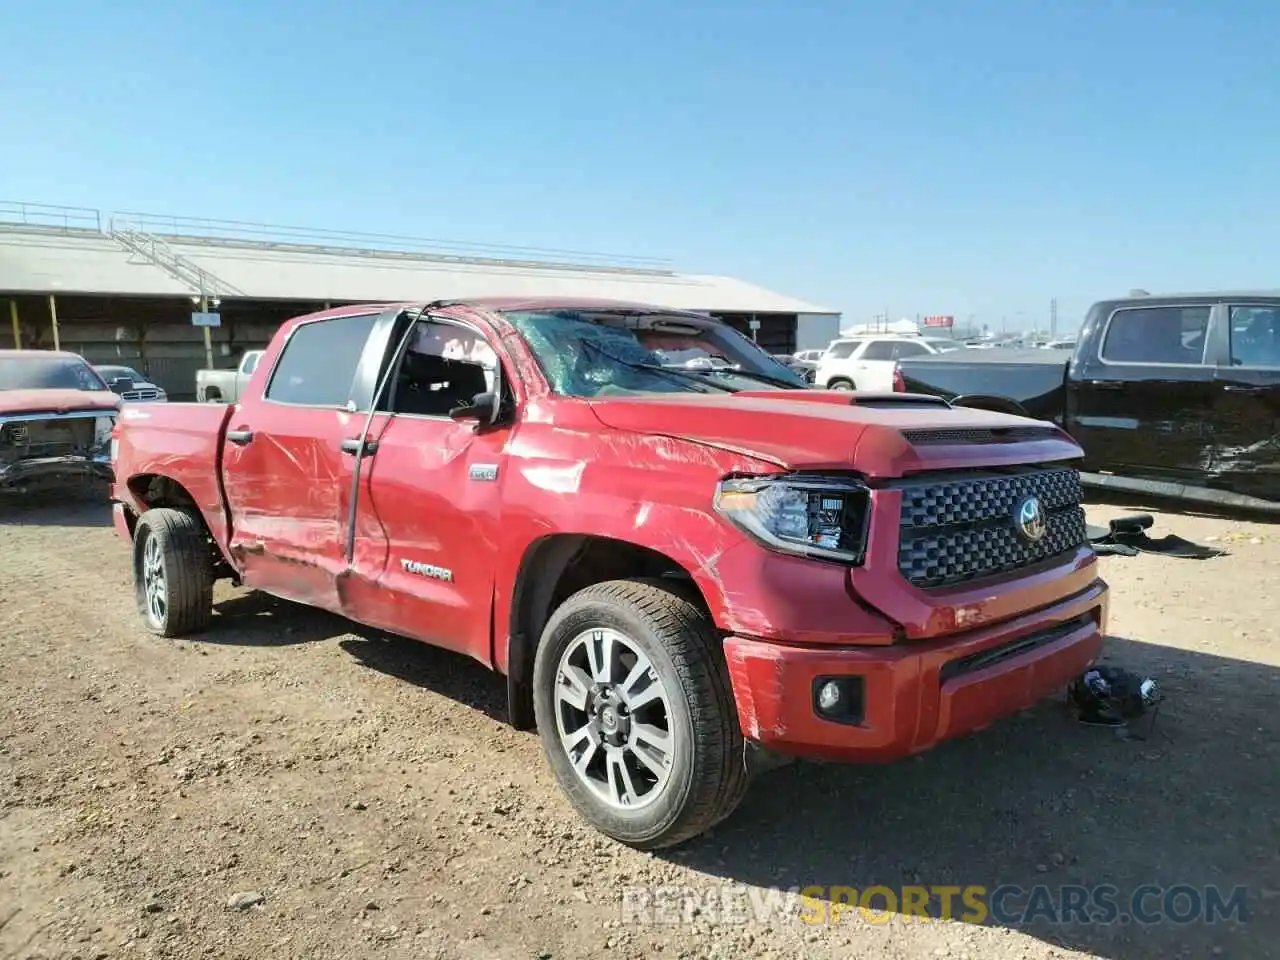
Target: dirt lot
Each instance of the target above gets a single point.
(367, 794)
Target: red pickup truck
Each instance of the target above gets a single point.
(679, 556)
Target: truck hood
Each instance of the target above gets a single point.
(882, 435)
(56, 401)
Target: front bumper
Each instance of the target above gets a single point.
(918, 692)
(18, 476)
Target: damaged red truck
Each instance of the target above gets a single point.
(678, 555)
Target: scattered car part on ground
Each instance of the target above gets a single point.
(1127, 537)
(674, 568)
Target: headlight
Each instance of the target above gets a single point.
(812, 516)
(102, 427)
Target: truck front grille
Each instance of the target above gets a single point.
(27, 439)
(963, 529)
(148, 394)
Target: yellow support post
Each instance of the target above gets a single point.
(13, 320)
(53, 315)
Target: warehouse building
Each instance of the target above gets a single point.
(122, 289)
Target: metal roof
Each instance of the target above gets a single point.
(39, 260)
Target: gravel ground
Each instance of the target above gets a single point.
(290, 785)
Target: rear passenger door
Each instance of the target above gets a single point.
(1247, 402)
(1145, 405)
(287, 479)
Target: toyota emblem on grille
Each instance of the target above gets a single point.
(1030, 519)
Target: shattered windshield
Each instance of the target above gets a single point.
(46, 373)
(615, 354)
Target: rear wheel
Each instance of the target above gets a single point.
(636, 715)
(840, 383)
(172, 572)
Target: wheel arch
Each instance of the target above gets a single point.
(551, 570)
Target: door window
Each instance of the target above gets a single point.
(841, 351)
(445, 366)
(1255, 337)
(319, 362)
(1163, 335)
(878, 350)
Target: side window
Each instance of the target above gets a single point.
(251, 363)
(908, 349)
(1156, 335)
(1255, 337)
(444, 367)
(841, 351)
(319, 362)
(878, 350)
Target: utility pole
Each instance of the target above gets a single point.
(1053, 319)
(208, 339)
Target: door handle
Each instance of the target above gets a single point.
(1241, 388)
(1106, 384)
(240, 437)
(352, 446)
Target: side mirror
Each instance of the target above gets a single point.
(121, 384)
(483, 407)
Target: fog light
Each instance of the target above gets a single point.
(829, 696)
(839, 699)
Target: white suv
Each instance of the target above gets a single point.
(867, 362)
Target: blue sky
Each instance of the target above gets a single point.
(925, 157)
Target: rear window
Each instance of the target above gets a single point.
(319, 362)
(909, 349)
(1164, 335)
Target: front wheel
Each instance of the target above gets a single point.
(636, 714)
(172, 572)
(840, 385)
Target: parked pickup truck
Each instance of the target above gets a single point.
(224, 386)
(1172, 396)
(678, 571)
(56, 418)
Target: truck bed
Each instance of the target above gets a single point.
(181, 441)
(1034, 379)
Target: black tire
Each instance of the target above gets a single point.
(841, 383)
(182, 550)
(708, 774)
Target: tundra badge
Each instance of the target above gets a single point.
(427, 570)
(484, 471)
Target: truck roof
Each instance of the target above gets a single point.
(1201, 296)
(504, 304)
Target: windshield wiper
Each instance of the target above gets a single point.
(679, 376)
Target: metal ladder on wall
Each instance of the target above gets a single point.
(156, 250)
